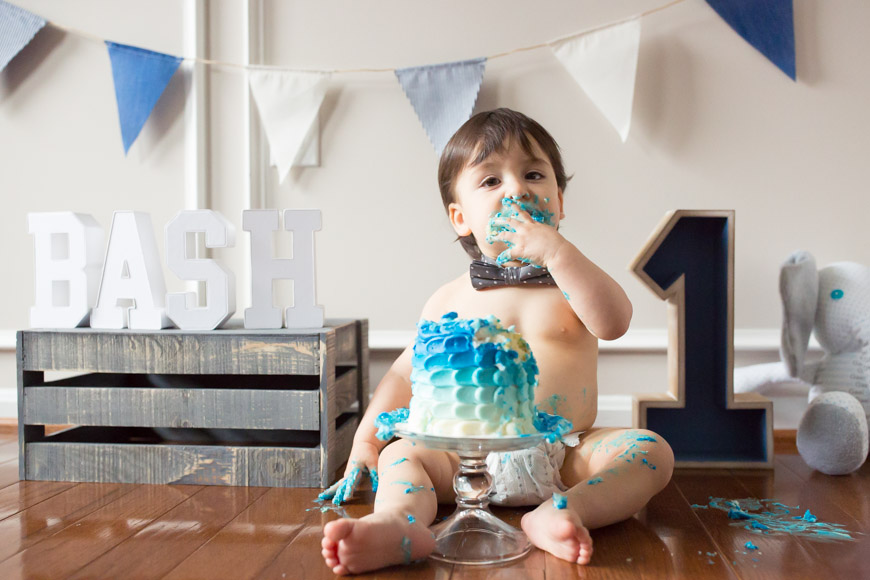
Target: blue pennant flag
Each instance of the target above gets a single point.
(443, 95)
(140, 77)
(767, 25)
(17, 28)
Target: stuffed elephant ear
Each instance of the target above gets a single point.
(799, 288)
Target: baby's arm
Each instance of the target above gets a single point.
(599, 302)
(392, 392)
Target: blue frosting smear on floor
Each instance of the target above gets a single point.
(770, 517)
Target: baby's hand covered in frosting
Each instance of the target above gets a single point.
(526, 230)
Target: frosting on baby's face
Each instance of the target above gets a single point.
(511, 208)
(508, 180)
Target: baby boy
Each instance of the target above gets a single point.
(502, 182)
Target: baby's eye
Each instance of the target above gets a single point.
(534, 175)
(490, 182)
(837, 294)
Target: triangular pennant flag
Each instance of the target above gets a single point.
(17, 28)
(288, 103)
(443, 95)
(604, 64)
(768, 26)
(140, 77)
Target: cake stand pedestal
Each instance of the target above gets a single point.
(473, 534)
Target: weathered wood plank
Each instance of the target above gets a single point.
(340, 451)
(345, 391)
(180, 464)
(363, 350)
(155, 379)
(25, 379)
(346, 341)
(171, 352)
(328, 406)
(197, 408)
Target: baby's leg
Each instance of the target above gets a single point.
(412, 478)
(612, 474)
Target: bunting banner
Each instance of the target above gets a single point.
(768, 26)
(289, 103)
(17, 29)
(603, 61)
(140, 78)
(443, 95)
(604, 64)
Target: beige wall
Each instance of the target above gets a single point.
(714, 126)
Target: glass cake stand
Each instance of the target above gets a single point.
(473, 534)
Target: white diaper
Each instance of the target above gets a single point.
(529, 476)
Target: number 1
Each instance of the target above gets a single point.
(689, 262)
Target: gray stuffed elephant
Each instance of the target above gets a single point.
(834, 302)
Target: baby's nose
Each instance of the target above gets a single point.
(518, 194)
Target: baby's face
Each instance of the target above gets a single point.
(508, 174)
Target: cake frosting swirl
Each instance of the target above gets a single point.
(472, 377)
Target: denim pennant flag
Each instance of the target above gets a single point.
(140, 77)
(17, 28)
(604, 64)
(443, 95)
(767, 25)
(288, 103)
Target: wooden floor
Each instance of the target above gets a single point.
(68, 530)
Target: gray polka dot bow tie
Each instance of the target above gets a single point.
(487, 273)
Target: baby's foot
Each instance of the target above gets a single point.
(375, 541)
(558, 531)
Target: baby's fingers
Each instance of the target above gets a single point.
(330, 491)
(347, 487)
(373, 474)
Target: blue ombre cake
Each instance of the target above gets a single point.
(472, 378)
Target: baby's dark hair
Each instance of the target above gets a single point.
(481, 136)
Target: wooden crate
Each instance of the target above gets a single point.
(224, 407)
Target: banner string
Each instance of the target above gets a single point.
(226, 64)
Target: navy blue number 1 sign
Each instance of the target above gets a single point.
(689, 262)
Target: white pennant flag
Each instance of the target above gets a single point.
(288, 103)
(604, 64)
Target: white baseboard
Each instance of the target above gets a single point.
(7, 340)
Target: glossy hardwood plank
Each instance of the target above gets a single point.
(851, 493)
(161, 545)
(75, 546)
(822, 494)
(8, 473)
(36, 523)
(8, 450)
(672, 520)
(252, 540)
(784, 557)
(301, 557)
(509, 571)
(21, 495)
(53, 530)
(533, 566)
